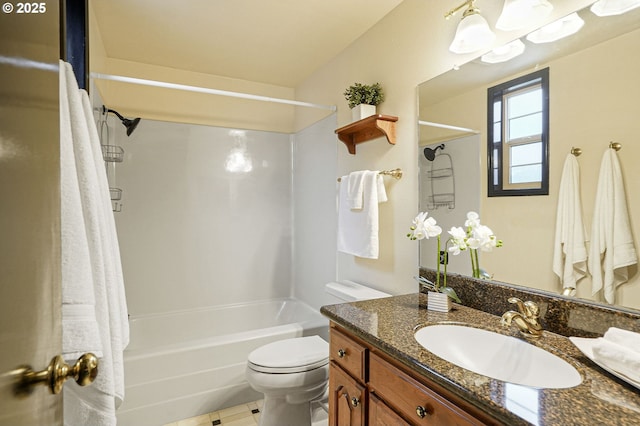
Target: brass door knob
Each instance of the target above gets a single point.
(84, 371)
(355, 401)
(341, 353)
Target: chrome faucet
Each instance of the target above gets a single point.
(526, 319)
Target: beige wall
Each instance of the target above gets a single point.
(587, 110)
(154, 103)
(408, 47)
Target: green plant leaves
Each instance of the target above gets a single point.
(451, 293)
(358, 93)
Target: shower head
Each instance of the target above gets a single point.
(129, 124)
(430, 154)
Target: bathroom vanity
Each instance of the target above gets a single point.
(380, 375)
(368, 387)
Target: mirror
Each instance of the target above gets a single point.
(594, 99)
(446, 193)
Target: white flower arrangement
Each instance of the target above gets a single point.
(424, 227)
(473, 237)
(476, 236)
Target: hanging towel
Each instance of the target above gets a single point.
(569, 251)
(80, 331)
(612, 249)
(358, 228)
(355, 187)
(95, 404)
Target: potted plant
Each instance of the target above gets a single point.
(439, 296)
(363, 99)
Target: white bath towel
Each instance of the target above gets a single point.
(626, 338)
(618, 358)
(569, 250)
(114, 280)
(96, 404)
(612, 249)
(80, 332)
(358, 229)
(355, 187)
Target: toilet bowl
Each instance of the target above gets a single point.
(293, 373)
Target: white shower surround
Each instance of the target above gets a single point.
(208, 260)
(193, 234)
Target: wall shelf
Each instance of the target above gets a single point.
(367, 129)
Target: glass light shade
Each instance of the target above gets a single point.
(518, 14)
(613, 7)
(473, 34)
(504, 53)
(561, 28)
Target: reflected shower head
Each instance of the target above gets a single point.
(129, 124)
(430, 154)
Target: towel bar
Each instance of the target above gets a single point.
(395, 173)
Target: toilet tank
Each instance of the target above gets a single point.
(349, 291)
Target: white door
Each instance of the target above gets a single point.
(29, 205)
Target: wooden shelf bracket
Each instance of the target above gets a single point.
(367, 129)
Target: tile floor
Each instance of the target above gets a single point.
(245, 415)
(240, 415)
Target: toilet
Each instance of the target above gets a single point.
(293, 373)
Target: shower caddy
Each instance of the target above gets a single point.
(442, 182)
(111, 154)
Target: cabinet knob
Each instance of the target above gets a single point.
(341, 353)
(421, 411)
(355, 401)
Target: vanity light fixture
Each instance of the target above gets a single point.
(556, 30)
(613, 7)
(518, 14)
(504, 53)
(473, 32)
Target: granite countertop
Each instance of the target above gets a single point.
(389, 324)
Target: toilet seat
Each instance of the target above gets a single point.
(295, 355)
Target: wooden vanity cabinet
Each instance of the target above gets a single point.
(381, 414)
(347, 399)
(347, 391)
(367, 388)
(409, 397)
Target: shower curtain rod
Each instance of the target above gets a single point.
(446, 126)
(208, 91)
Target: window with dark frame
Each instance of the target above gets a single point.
(518, 136)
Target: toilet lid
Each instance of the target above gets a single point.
(290, 355)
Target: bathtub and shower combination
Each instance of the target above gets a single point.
(187, 363)
(185, 221)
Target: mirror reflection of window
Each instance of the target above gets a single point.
(518, 136)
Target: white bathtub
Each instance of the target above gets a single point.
(183, 364)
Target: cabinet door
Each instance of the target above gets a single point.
(381, 415)
(347, 404)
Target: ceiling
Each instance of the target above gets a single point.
(278, 42)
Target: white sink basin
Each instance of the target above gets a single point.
(498, 356)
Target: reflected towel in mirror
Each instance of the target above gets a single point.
(569, 251)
